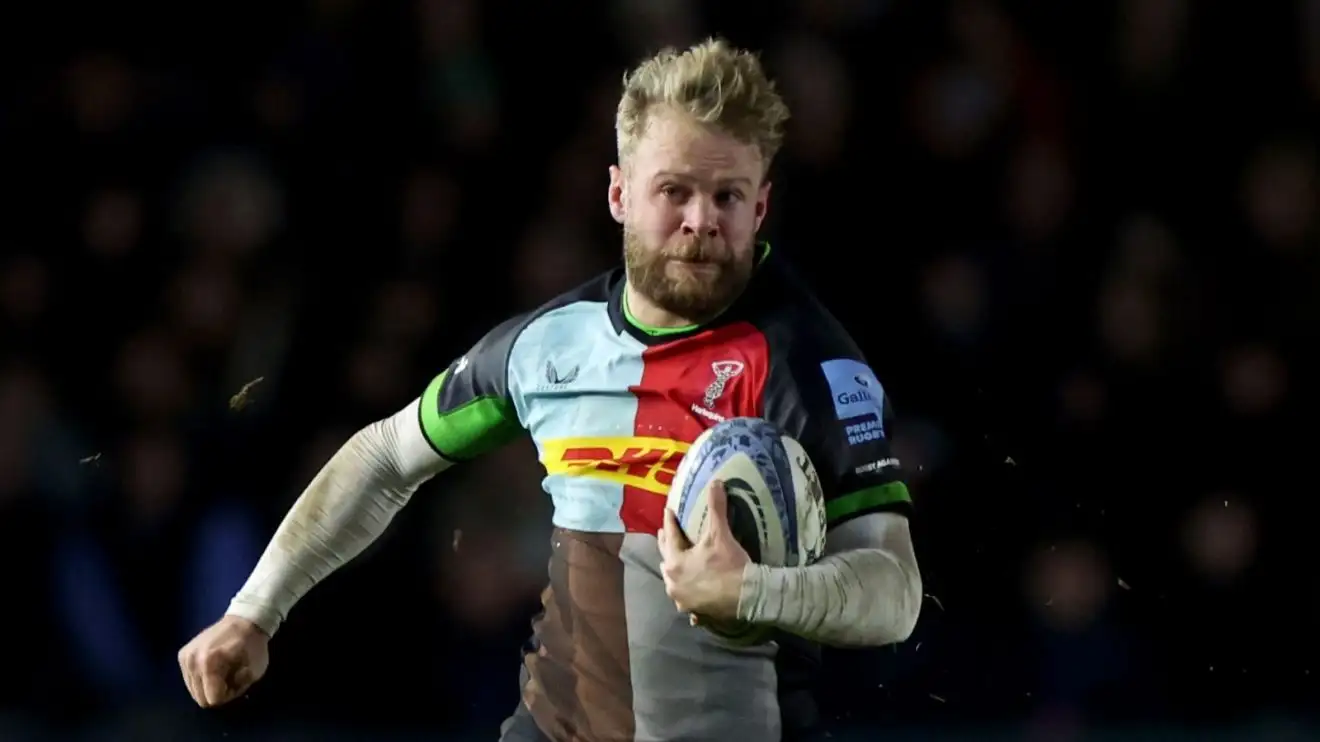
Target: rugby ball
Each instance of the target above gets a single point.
(776, 505)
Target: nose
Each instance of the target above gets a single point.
(701, 217)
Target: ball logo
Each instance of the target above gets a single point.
(815, 491)
(750, 529)
(816, 494)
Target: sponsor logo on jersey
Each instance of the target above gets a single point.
(859, 399)
(868, 430)
(875, 466)
(645, 463)
(553, 377)
(710, 415)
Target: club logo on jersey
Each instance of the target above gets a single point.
(645, 463)
(724, 371)
(859, 400)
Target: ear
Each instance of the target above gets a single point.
(762, 203)
(617, 195)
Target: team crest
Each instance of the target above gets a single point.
(724, 372)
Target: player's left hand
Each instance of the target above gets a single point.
(704, 578)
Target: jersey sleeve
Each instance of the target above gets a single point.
(830, 400)
(468, 408)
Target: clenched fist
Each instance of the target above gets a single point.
(223, 661)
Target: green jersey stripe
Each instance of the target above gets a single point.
(883, 495)
(470, 429)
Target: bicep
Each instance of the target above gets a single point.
(889, 532)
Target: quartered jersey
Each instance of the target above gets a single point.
(612, 408)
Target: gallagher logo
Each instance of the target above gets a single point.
(645, 463)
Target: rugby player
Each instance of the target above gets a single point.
(613, 381)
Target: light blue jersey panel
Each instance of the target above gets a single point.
(569, 377)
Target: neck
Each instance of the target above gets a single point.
(644, 312)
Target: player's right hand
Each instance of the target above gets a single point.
(224, 660)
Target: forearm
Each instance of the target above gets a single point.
(862, 597)
(346, 507)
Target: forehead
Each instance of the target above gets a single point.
(675, 143)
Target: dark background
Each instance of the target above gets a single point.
(1078, 242)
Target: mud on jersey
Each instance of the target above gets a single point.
(612, 409)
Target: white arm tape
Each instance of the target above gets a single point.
(344, 509)
(865, 592)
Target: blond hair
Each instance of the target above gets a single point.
(714, 83)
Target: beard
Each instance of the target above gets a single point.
(697, 295)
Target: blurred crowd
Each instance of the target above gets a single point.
(1078, 242)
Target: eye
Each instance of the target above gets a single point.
(673, 191)
(724, 198)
